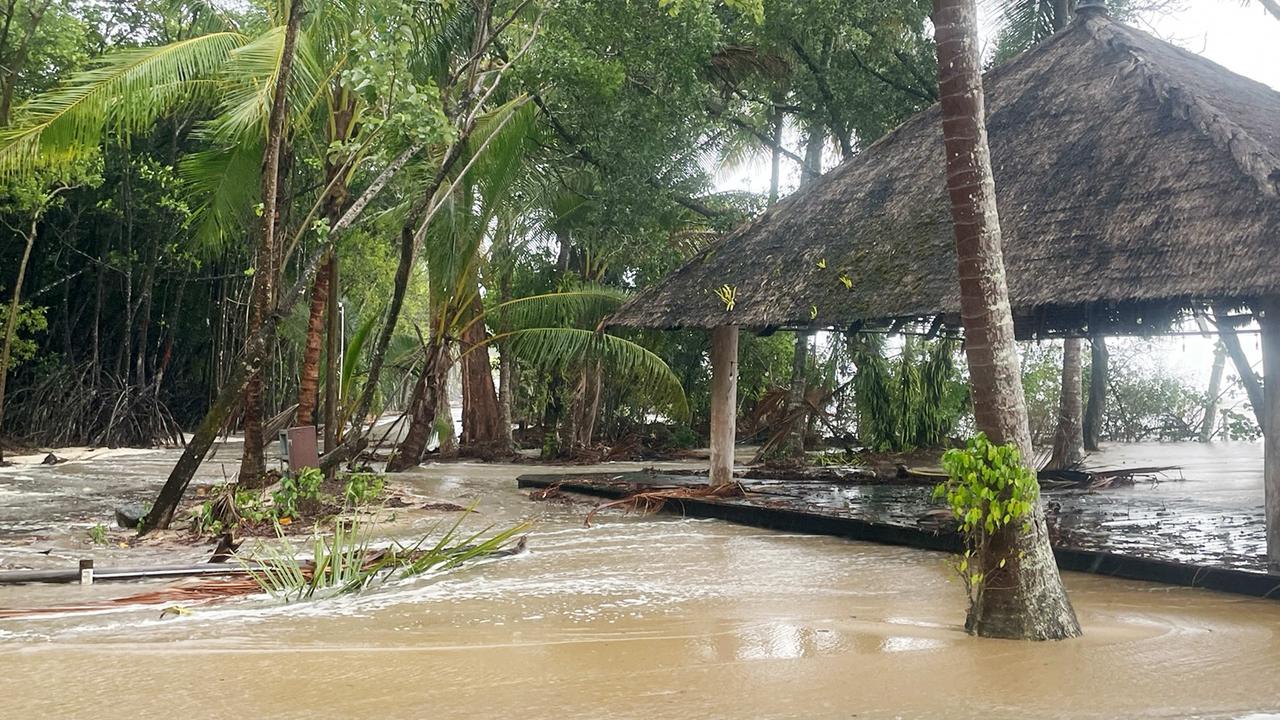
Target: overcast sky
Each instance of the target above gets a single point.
(1243, 38)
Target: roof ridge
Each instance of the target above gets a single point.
(1253, 158)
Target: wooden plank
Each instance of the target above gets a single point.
(72, 575)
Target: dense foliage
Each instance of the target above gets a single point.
(567, 152)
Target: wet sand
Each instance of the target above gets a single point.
(655, 617)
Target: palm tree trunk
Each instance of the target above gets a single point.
(325, 292)
(1099, 361)
(252, 463)
(793, 447)
(481, 418)
(309, 373)
(1068, 440)
(1024, 598)
(424, 404)
(506, 382)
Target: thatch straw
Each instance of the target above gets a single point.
(1134, 180)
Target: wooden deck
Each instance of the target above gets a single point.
(1131, 537)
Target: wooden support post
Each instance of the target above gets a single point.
(86, 571)
(1269, 320)
(724, 402)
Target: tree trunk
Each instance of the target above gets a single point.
(1068, 440)
(11, 325)
(591, 404)
(1024, 598)
(1248, 378)
(15, 63)
(1099, 360)
(1213, 395)
(793, 448)
(424, 403)
(309, 373)
(325, 293)
(446, 433)
(1061, 14)
(252, 463)
(481, 418)
(333, 360)
(506, 382)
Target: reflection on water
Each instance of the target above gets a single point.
(657, 617)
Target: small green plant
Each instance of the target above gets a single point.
(989, 491)
(299, 488)
(98, 534)
(362, 488)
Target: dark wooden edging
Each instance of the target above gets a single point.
(1239, 582)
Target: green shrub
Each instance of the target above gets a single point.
(989, 490)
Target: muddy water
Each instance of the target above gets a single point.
(655, 617)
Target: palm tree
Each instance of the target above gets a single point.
(1023, 596)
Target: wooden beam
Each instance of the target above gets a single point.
(1269, 320)
(724, 402)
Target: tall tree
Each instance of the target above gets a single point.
(252, 462)
(1068, 439)
(1024, 597)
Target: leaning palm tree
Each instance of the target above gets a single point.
(252, 81)
(1022, 594)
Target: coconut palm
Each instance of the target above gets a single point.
(1023, 595)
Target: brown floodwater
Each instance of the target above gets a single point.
(653, 617)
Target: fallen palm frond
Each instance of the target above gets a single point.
(651, 501)
(344, 563)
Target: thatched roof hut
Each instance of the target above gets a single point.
(1134, 179)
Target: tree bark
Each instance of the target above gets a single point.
(1068, 440)
(309, 373)
(1099, 361)
(252, 463)
(1248, 378)
(481, 418)
(333, 359)
(1024, 598)
(424, 403)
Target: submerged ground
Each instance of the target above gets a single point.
(651, 617)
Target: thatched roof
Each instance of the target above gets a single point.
(1134, 179)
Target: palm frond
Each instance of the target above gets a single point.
(223, 186)
(625, 362)
(251, 73)
(126, 91)
(586, 306)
